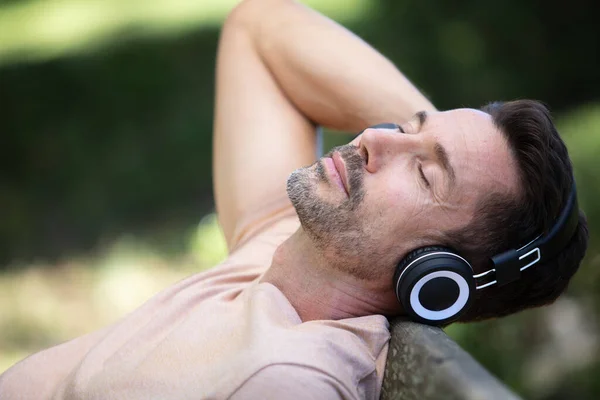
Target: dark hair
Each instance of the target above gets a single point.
(503, 221)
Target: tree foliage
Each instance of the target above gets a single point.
(117, 140)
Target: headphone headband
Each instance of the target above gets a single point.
(509, 264)
(436, 286)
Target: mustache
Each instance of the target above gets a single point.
(355, 165)
(352, 158)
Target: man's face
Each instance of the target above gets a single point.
(389, 191)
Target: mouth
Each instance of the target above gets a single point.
(334, 174)
(340, 166)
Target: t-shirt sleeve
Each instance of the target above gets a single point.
(283, 381)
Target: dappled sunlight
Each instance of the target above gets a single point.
(43, 305)
(41, 29)
(107, 137)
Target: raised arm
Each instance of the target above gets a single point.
(282, 69)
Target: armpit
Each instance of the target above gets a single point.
(262, 220)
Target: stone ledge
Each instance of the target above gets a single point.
(424, 363)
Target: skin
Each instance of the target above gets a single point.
(277, 78)
(301, 69)
(394, 188)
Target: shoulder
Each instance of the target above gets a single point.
(340, 358)
(292, 381)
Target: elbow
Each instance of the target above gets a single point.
(242, 16)
(249, 14)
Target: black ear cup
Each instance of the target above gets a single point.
(434, 284)
(413, 255)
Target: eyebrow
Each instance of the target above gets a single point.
(440, 152)
(422, 116)
(442, 155)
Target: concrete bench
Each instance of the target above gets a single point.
(424, 363)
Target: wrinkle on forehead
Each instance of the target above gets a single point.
(481, 157)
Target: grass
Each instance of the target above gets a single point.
(42, 305)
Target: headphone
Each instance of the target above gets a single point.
(435, 285)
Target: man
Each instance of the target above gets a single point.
(298, 308)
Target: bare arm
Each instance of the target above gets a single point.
(281, 69)
(333, 77)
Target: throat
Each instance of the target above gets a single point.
(318, 291)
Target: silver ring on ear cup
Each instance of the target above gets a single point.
(434, 285)
(444, 314)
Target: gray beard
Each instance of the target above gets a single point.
(335, 229)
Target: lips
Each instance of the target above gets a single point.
(341, 169)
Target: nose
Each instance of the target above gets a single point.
(380, 143)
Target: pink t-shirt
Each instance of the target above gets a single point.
(219, 334)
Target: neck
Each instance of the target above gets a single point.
(320, 292)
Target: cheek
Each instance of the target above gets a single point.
(393, 200)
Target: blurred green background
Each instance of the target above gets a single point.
(105, 154)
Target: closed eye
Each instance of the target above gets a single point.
(423, 177)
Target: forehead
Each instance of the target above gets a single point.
(478, 151)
